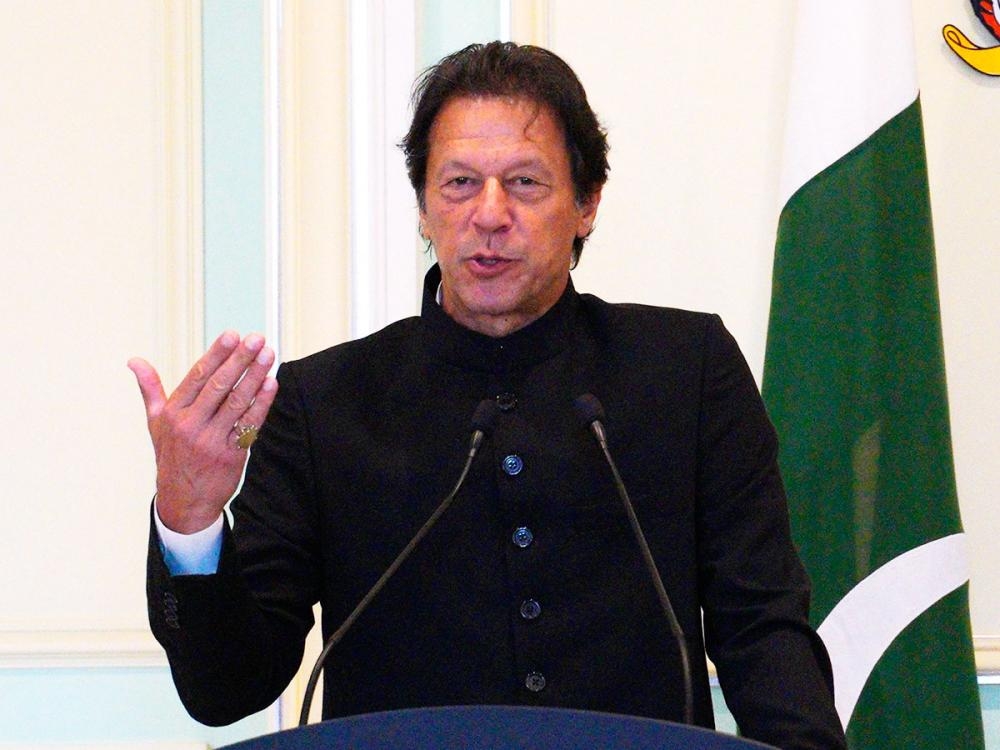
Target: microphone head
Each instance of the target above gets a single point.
(588, 409)
(484, 416)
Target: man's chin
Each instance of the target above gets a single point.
(486, 309)
(490, 315)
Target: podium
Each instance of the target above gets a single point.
(496, 728)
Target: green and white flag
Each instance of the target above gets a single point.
(854, 380)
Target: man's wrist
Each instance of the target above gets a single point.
(190, 554)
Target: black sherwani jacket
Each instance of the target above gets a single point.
(530, 589)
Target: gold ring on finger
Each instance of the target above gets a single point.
(246, 434)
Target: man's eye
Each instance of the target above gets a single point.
(525, 181)
(460, 181)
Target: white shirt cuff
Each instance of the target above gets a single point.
(190, 554)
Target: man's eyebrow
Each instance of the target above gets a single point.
(530, 163)
(457, 164)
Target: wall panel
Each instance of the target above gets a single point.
(101, 264)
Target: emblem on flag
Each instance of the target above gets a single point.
(984, 59)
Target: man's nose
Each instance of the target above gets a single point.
(492, 210)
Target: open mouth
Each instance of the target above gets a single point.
(490, 260)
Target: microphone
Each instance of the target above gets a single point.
(482, 422)
(591, 414)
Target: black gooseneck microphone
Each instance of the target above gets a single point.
(591, 413)
(482, 423)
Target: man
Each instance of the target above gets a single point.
(530, 589)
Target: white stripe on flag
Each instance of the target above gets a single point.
(849, 77)
(866, 621)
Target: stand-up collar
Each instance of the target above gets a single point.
(525, 347)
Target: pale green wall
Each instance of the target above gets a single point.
(233, 117)
(113, 705)
(448, 25)
(989, 694)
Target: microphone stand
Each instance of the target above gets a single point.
(591, 413)
(482, 421)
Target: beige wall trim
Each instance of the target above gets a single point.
(385, 263)
(55, 649)
(987, 654)
(529, 22)
(313, 191)
(138, 648)
(180, 258)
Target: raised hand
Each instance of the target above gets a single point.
(199, 459)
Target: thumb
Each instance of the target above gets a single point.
(150, 386)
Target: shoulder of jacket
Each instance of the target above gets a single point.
(382, 344)
(648, 321)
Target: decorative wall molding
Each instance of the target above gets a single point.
(312, 81)
(55, 649)
(987, 654)
(138, 648)
(529, 22)
(385, 261)
(180, 261)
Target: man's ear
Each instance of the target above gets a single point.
(422, 226)
(588, 213)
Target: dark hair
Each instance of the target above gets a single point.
(509, 69)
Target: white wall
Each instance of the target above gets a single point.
(693, 100)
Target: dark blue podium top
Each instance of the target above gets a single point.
(496, 728)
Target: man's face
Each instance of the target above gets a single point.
(499, 208)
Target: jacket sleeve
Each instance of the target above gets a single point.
(773, 669)
(234, 639)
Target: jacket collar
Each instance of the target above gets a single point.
(526, 347)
